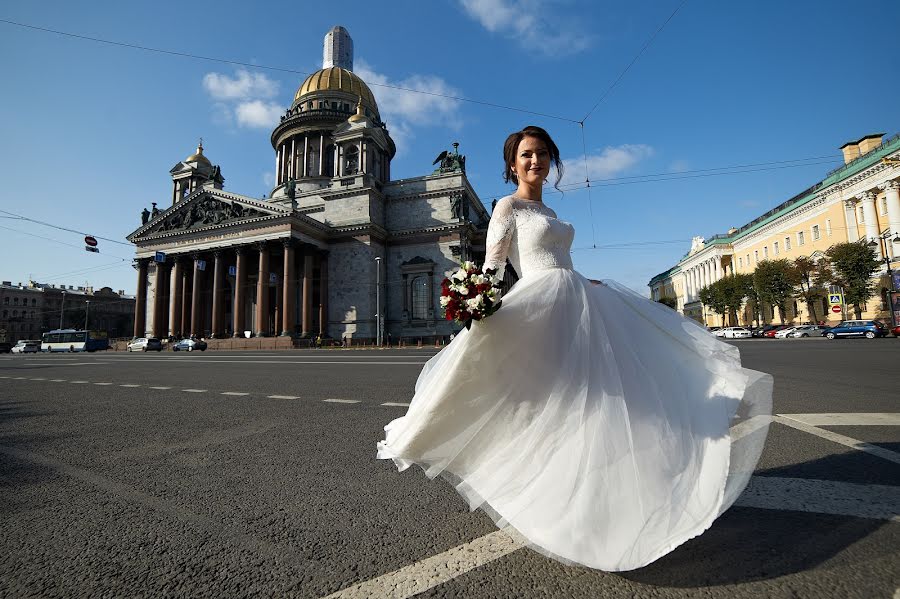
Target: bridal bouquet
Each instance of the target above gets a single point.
(470, 294)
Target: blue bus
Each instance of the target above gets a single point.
(73, 340)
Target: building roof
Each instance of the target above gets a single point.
(336, 79)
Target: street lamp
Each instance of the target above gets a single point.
(378, 301)
(87, 310)
(62, 306)
(883, 239)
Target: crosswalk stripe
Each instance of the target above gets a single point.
(129, 385)
(875, 450)
(341, 400)
(162, 388)
(397, 404)
(283, 397)
(232, 393)
(848, 419)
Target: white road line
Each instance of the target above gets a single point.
(875, 450)
(103, 383)
(194, 390)
(19, 378)
(57, 380)
(391, 403)
(4, 377)
(129, 385)
(37, 379)
(433, 571)
(87, 363)
(162, 388)
(880, 502)
(283, 397)
(341, 400)
(79, 382)
(231, 393)
(848, 419)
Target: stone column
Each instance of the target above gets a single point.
(892, 195)
(305, 154)
(323, 294)
(279, 306)
(850, 220)
(321, 154)
(289, 289)
(196, 307)
(187, 276)
(140, 306)
(240, 291)
(292, 166)
(870, 215)
(262, 292)
(158, 306)
(306, 325)
(218, 296)
(177, 297)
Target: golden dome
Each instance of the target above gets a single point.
(337, 79)
(360, 115)
(198, 156)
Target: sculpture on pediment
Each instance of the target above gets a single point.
(208, 211)
(450, 161)
(697, 244)
(145, 216)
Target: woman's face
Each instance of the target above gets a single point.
(532, 164)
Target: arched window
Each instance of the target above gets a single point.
(15, 301)
(312, 159)
(351, 161)
(15, 313)
(6, 314)
(420, 297)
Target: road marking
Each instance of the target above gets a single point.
(438, 569)
(341, 400)
(129, 385)
(283, 397)
(194, 361)
(848, 419)
(880, 502)
(231, 393)
(103, 383)
(19, 378)
(57, 380)
(4, 377)
(86, 363)
(37, 379)
(162, 388)
(194, 390)
(79, 382)
(875, 450)
(399, 405)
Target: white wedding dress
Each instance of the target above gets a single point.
(593, 421)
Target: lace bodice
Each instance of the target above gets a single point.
(530, 235)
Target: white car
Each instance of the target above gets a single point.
(145, 344)
(736, 333)
(784, 333)
(25, 346)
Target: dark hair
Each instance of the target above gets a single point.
(512, 145)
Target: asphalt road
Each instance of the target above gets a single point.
(232, 474)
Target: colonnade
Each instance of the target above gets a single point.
(193, 294)
(866, 200)
(314, 154)
(699, 276)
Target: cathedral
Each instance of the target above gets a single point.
(338, 249)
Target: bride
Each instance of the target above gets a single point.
(605, 428)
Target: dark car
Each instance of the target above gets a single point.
(770, 333)
(189, 344)
(5, 347)
(869, 329)
(761, 331)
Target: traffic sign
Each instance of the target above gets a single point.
(201, 264)
(836, 309)
(835, 299)
(90, 248)
(159, 257)
(91, 241)
(232, 271)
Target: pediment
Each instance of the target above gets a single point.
(210, 209)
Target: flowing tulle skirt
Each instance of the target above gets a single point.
(591, 420)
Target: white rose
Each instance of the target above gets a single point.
(444, 301)
(474, 303)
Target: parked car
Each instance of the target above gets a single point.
(761, 331)
(810, 330)
(26, 346)
(189, 344)
(858, 328)
(5, 347)
(770, 333)
(896, 331)
(736, 333)
(719, 332)
(145, 344)
(783, 333)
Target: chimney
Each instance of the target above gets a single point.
(854, 149)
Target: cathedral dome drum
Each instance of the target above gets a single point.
(335, 84)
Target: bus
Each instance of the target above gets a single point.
(74, 340)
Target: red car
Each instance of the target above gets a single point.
(896, 331)
(771, 332)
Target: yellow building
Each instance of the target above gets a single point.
(861, 199)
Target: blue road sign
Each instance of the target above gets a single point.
(232, 271)
(159, 257)
(201, 264)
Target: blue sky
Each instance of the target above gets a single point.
(89, 131)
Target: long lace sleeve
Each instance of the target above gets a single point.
(499, 236)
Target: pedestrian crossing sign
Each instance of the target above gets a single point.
(835, 299)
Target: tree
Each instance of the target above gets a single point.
(809, 289)
(774, 281)
(743, 284)
(668, 301)
(713, 297)
(733, 294)
(853, 266)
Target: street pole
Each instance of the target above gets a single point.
(87, 310)
(378, 301)
(62, 307)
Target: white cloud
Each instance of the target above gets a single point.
(533, 23)
(609, 162)
(404, 111)
(257, 113)
(243, 86)
(268, 178)
(243, 99)
(679, 166)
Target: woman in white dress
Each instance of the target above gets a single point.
(605, 428)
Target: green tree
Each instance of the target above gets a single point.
(713, 297)
(774, 281)
(809, 289)
(853, 264)
(743, 284)
(733, 295)
(668, 301)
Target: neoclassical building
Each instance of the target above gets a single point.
(861, 199)
(336, 244)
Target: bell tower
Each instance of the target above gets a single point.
(194, 172)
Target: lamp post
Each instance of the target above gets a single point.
(378, 301)
(884, 238)
(62, 306)
(87, 310)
